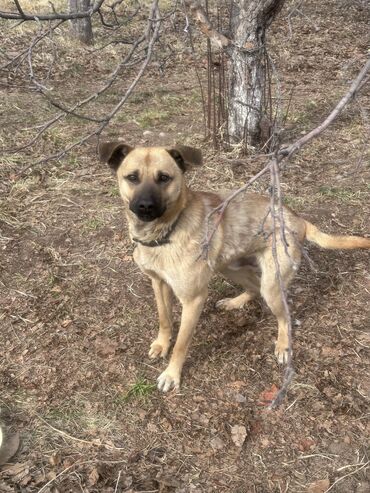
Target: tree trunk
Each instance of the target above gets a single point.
(249, 21)
(81, 28)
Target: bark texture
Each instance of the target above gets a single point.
(249, 21)
(81, 28)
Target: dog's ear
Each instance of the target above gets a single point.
(113, 153)
(185, 156)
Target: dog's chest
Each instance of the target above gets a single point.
(181, 270)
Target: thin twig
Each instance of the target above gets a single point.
(117, 482)
(152, 38)
(346, 476)
(285, 152)
(276, 202)
(80, 440)
(205, 25)
(219, 210)
(356, 85)
(21, 15)
(72, 110)
(277, 212)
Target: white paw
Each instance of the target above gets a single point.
(158, 349)
(234, 303)
(281, 353)
(225, 304)
(168, 380)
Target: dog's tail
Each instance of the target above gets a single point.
(334, 242)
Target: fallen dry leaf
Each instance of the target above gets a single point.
(238, 434)
(267, 396)
(15, 469)
(93, 477)
(105, 346)
(318, 486)
(237, 384)
(306, 444)
(19, 472)
(38, 478)
(265, 442)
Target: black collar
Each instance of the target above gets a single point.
(161, 241)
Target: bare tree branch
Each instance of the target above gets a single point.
(20, 10)
(356, 85)
(219, 210)
(205, 24)
(72, 109)
(277, 216)
(18, 58)
(22, 16)
(276, 212)
(287, 152)
(151, 34)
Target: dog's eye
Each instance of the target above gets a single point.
(133, 178)
(163, 178)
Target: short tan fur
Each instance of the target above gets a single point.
(166, 220)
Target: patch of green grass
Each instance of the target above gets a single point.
(64, 414)
(141, 388)
(311, 105)
(93, 224)
(170, 100)
(298, 117)
(294, 202)
(138, 390)
(196, 96)
(220, 286)
(25, 185)
(141, 97)
(113, 192)
(151, 117)
(340, 194)
(52, 279)
(12, 159)
(54, 135)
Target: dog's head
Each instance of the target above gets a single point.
(150, 178)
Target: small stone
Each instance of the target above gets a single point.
(217, 443)
(240, 398)
(146, 133)
(238, 434)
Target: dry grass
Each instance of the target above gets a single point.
(78, 317)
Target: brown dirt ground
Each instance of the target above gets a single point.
(77, 316)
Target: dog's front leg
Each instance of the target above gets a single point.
(191, 310)
(163, 297)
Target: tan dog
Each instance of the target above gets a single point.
(167, 220)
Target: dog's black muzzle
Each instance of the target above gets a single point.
(147, 205)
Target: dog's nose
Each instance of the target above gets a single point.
(146, 206)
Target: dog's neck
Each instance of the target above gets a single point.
(157, 232)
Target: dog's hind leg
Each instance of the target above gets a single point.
(235, 303)
(271, 291)
(163, 297)
(246, 277)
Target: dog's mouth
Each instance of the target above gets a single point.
(148, 217)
